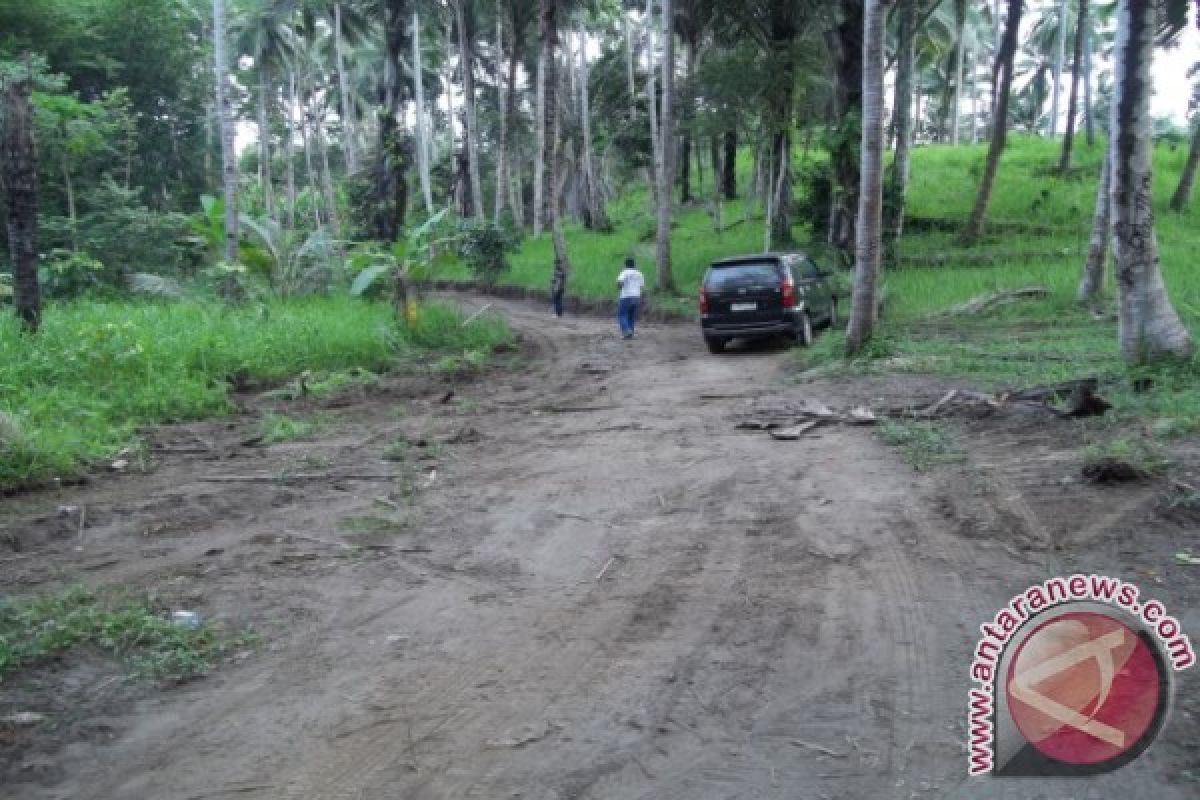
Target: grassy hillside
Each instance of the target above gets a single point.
(1056, 213)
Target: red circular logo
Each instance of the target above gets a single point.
(1084, 688)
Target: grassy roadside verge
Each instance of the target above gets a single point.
(1040, 342)
(146, 640)
(98, 371)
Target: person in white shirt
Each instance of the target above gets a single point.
(631, 283)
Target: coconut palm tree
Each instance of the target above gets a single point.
(906, 40)
(391, 185)
(864, 304)
(1002, 79)
(464, 22)
(1092, 282)
(225, 123)
(262, 32)
(548, 41)
(20, 182)
(1182, 198)
(1081, 29)
(1148, 325)
(666, 129)
(1060, 41)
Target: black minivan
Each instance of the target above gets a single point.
(770, 294)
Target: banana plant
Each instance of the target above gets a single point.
(290, 260)
(411, 261)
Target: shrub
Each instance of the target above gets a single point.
(485, 247)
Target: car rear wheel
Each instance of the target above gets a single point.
(804, 330)
(715, 344)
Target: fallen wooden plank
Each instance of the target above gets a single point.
(793, 433)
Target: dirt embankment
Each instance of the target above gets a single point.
(572, 578)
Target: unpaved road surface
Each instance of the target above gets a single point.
(591, 586)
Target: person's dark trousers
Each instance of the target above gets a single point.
(557, 297)
(627, 312)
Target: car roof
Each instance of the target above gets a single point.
(734, 261)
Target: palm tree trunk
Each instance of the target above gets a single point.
(327, 187)
(768, 199)
(1092, 281)
(539, 161)
(346, 109)
(502, 111)
(290, 164)
(665, 276)
(548, 34)
(264, 144)
(225, 122)
(391, 185)
(864, 305)
(729, 164)
(466, 49)
(1002, 78)
(685, 156)
(72, 213)
(906, 39)
(300, 101)
(509, 113)
(1183, 192)
(630, 77)
(1064, 163)
(960, 24)
(975, 95)
(21, 199)
(1060, 48)
(1148, 326)
(593, 198)
(424, 150)
(997, 39)
(847, 48)
(210, 121)
(1089, 119)
(656, 151)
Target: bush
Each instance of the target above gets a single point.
(485, 247)
(65, 274)
(811, 203)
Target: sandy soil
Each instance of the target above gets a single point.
(593, 586)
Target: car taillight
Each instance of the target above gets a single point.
(703, 300)
(789, 293)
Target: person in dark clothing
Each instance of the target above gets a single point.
(558, 288)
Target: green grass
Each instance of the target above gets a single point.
(1035, 341)
(40, 627)
(97, 371)
(277, 428)
(1134, 458)
(944, 180)
(923, 444)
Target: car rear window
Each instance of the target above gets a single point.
(748, 274)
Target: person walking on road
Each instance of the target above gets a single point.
(631, 283)
(558, 287)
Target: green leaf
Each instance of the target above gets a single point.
(364, 279)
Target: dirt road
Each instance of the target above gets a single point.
(593, 586)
